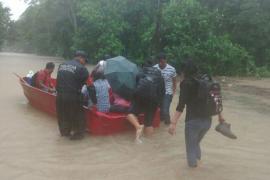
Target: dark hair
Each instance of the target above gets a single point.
(148, 63)
(98, 75)
(189, 68)
(161, 56)
(50, 65)
(82, 54)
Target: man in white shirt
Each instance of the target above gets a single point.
(169, 75)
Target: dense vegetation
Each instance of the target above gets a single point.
(4, 24)
(229, 37)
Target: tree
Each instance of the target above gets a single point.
(252, 18)
(210, 31)
(192, 31)
(4, 23)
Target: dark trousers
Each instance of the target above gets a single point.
(70, 114)
(165, 108)
(147, 107)
(194, 133)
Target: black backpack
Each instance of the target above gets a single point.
(150, 87)
(209, 94)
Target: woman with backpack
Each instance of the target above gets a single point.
(197, 122)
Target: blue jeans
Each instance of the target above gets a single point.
(165, 108)
(195, 130)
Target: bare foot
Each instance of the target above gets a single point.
(139, 132)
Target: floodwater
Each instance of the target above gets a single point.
(31, 148)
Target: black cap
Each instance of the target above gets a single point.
(80, 53)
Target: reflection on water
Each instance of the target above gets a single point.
(31, 148)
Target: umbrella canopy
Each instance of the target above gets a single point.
(121, 74)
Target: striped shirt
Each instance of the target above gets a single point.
(168, 73)
(102, 94)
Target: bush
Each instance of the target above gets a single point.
(191, 32)
(263, 71)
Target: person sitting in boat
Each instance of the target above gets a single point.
(102, 96)
(99, 92)
(42, 79)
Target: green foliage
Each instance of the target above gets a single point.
(190, 31)
(4, 22)
(247, 22)
(100, 28)
(263, 71)
(224, 37)
(46, 28)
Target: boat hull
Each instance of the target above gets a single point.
(98, 123)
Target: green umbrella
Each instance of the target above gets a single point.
(121, 74)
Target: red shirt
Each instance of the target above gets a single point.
(45, 77)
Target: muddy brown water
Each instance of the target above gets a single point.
(31, 148)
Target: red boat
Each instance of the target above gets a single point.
(98, 123)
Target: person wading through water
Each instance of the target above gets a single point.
(169, 75)
(198, 114)
(71, 76)
(149, 92)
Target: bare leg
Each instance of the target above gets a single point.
(139, 128)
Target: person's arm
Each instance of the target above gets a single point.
(174, 85)
(53, 89)
(92, 93)
(46, 88)
(82, 75)
(174, 121)
(180, 108)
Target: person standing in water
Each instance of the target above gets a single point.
(72, 75)
(198, 120)
(169, 75)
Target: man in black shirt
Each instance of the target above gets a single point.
(71, 76)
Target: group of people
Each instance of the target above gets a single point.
(72, 78)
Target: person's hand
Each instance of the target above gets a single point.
(220, 118)
(172, 129)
